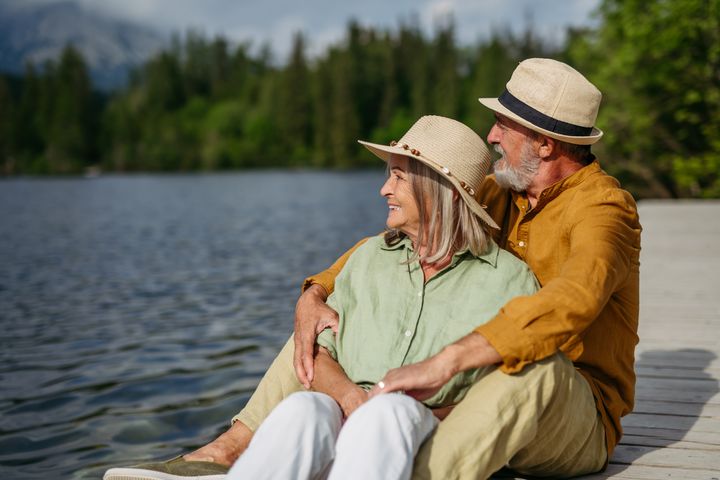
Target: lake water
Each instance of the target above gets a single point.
(139, 312)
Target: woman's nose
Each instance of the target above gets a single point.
(386, 189)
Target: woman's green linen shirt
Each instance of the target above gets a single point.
(389, 317)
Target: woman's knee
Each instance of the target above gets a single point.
(307, 407)
(388, 407)
(311, 402)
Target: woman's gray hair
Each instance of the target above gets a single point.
(443, 215)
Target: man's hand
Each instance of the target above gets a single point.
(424, 379)
(420, 380)
(312, 316)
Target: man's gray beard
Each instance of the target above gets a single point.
(517, 178)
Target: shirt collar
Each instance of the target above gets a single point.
(489, 256)
(404, 243)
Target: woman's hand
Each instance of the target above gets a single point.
(352, 399)
(332, 380)
(312, 316)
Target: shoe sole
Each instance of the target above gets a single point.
(141, 474)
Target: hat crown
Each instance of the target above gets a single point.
(557, 90)
(451, 146)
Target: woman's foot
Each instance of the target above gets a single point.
(226, 448)
(210, 462)
(175, 469)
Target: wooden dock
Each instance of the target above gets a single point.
(674, 432)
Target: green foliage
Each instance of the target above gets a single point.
(53, 125)
(658, 64)
(200, 105)
(205, 105)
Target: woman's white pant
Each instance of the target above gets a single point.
(303, 439)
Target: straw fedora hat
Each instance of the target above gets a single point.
(551, 98)
(450, 148)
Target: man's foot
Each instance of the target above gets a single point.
(176, 469)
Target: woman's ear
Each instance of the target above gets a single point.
(456, 195)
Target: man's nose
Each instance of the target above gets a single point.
(494, 134)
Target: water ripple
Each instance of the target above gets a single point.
(140, 312)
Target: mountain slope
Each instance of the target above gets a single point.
(39, 33)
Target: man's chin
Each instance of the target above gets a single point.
(505, 181)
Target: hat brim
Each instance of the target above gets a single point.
(384, 151)
(495, 105)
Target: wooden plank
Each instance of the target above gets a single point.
(645, 371)
(709, 385)
(689, 357)
(677, 408)
(697, 424)
(673, 435)
(666, 457)
(634, 472)
(660, 442)
(645, 472)
(649, 392)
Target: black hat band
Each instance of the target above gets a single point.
(539, 119)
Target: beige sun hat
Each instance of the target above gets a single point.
(552, 98)
(450, 148)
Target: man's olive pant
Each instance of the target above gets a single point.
(542, 421)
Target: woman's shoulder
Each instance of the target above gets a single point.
(507, 259)
(504, 265)
(371, 260)
(373, 248)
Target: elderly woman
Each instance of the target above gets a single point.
(429, 280)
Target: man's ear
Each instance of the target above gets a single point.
(546, 147)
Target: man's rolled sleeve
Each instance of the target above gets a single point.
(603, 240)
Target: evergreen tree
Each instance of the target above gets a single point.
(322, 115)
(28, 141)
(120, 136)
(294, 114)
(390, 102)
(219, 68)
(197, 65)
(444, 72)
(163, 84)
(70, 132)
(6, 115)
(344, 122)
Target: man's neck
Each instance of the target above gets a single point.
(549, 173)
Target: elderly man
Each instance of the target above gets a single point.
(564, 355)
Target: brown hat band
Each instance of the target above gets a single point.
(522, 109)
